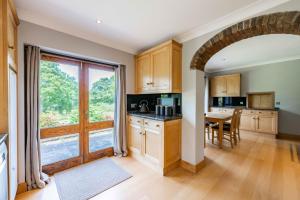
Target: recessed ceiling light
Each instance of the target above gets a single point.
(99, 21)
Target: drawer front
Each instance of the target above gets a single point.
(135, 120)
(153, 124)
(266, 112)
(249, 112)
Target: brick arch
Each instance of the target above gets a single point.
(275, 23)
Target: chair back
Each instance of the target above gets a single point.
(235, 120)
(238, 121)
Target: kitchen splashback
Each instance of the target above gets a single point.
(133, 100)
(229, 101)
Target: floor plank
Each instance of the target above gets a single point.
(259, 167)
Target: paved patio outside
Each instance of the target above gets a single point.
(61, 148)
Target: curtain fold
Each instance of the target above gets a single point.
(35, 178)
(120, 140)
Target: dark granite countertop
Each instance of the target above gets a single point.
(2, 137)
(244, 107)
(153, 116)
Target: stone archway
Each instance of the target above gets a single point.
(275, 23)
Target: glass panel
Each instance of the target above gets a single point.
(59, 94)
(100, 139)
(101, 95)
(59, 148)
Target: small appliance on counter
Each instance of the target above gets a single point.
(157, 104)
(143, 105)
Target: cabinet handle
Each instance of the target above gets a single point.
(146, 123)
(10, 47)
(157, 125)
(148, 83)
(141, 133)
(138, 121)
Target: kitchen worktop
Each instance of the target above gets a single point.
(244, 107)
(153, 116)
(2, 137)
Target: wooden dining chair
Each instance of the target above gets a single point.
(238, 120)
(229, 130)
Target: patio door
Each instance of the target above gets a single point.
(76, 112)
(99, 100)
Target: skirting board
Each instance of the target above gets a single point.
(287, 136)
(22, 187)
(192, 168)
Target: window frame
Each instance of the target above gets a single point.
(83, 127)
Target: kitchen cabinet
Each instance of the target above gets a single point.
(156, 143)
(263, 121)
(259, 121)
(8, 87)
(143, 73)
(158, 70)
(225, 86)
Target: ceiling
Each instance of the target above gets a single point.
(256, 51)
(133, 25)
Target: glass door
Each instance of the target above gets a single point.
(76, 112)
(60, 105)
(99, 110)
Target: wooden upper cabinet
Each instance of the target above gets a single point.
(225, 86)
(159, 69)
(233, 85)
(8, 58)
(143, 73)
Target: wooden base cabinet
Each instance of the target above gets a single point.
(155, 143)
(259, 121)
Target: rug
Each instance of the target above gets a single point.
(86, 181)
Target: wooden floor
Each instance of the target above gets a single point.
(259, 167)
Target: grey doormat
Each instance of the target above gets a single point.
(88, 180)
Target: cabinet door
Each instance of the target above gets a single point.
(266, 124)
(233, 85)
(153, 145)
(247, 122)
(161, 66)
(218, 86)
(143, 73)
(135, 138)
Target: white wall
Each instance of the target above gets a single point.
(44, 37)
(193, 103)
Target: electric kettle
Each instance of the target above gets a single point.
(143, 105)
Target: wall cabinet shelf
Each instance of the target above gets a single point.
(156, 143)
(225, 86)
(158, 70)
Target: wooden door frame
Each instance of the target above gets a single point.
(83, 127)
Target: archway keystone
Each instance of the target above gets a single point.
(275, 23)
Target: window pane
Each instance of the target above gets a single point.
(101, 95)
(100, 139)
(59, 148)
(59, 94)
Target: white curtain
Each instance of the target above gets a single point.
(35, 178)
(120, 140)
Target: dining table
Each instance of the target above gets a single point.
(219, 118)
